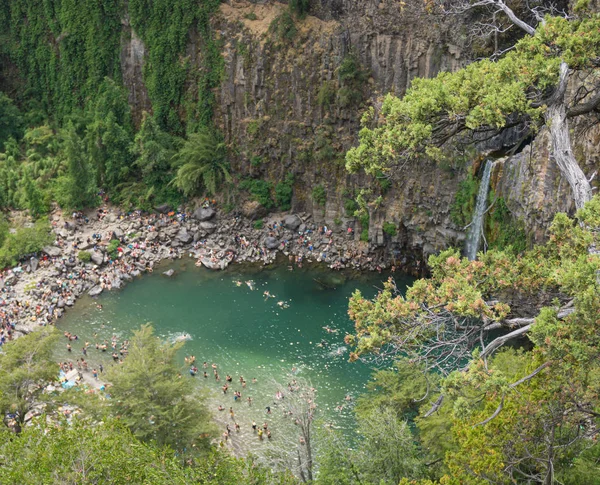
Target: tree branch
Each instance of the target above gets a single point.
(584, 108)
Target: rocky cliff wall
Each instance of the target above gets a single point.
(279, 107)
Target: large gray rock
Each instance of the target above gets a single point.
(184, 236)
(253, 210)
(204, 214)
(292, 222)
(52, 251)
(97, 258)
(34, 262)
(208, 227)
(163, 208)
(95, 291)
(152, 236)
(271, 243)
(118, 232)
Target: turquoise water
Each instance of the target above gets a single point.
(245, 333)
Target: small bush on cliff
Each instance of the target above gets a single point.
(260, 190)
(284, 191)
(299, 7)
(326, 94)
(352, 78)
(283, 27)
(84, 256)
(258, 224)
(390, 228)
(319, 195)
(461, 210)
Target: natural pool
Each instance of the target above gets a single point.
(233, 324)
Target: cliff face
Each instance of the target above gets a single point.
(285, 107)
(271, 106)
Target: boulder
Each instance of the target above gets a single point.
(162, 209)
(253, 210)
(117, 283)
(208, 227)
(271, 243)
(97, 258)
(95, 291)
(118, 232)
(203, 214)
(184, 236)
(52, 251)
(292, 222)
(34, 263)
(61, 303)
(169, 272)
(152, 236)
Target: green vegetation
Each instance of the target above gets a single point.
(24, 241)
(202, 162)
(319, 195)
(284, 191)
(260, 191)
(502, 230)
(326, 95)
(84, 256)
(494, 398)
(112, 247)
(461, 210)
(352, 79)
(284, 28)
(258, 224)
(350, 206)
(390, 228)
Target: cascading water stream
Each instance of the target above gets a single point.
(474, 236)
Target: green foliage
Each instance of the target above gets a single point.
(25, 364)
(64, 50)
(10, 120)
(283, 27)
(152, 402)
(352, 79)
(390, 228)
(84, 256)
(461, 210)
(24, 241)
(299, 7)
(112, 247)
(77, 189)
(319, 195)
(164, 27)
(326, 95)
(260, 190)
(202, 163)
(258, 224)
(502, 230)
(482, 95)
(284, 191)
(350, 206)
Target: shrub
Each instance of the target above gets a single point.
(299, 7)
(260, 190)
(250, 16)
(337, 221)
(284, 191)
(390, 228)
(352, 78)
(461, 210)
(319, 195)
(350, 206)
(258, 224)
(26, 240)
(84, 256)
(283, 27)
(112, 248)
(326, 94)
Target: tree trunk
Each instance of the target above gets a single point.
(556, 118)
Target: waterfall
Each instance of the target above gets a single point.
(474, 236)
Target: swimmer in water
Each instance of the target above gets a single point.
(250, 284)
(238, 283)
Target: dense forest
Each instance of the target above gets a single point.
(495, 377)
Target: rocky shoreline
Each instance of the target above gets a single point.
(40, 290)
